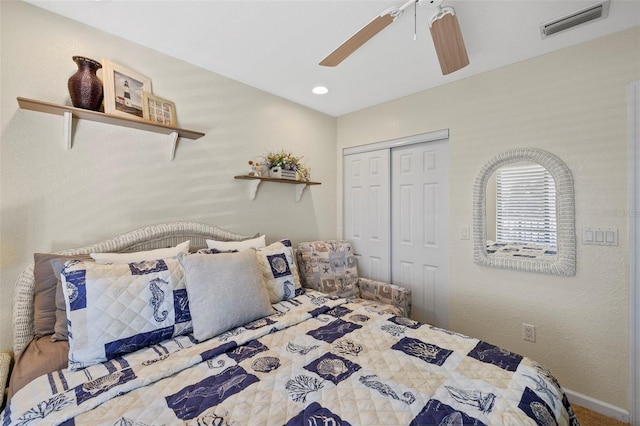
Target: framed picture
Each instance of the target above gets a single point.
(123, 90)
(158, 110)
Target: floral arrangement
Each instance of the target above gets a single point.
(283, 159)
(276, 161)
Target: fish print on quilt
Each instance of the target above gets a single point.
(195, 399)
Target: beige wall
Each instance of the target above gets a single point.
(572, 103)
(116, 179)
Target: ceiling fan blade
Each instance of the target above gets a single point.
(358, 39)
(447, 39)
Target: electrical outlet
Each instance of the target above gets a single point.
(529, 332)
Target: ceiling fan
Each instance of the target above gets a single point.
(445, 32)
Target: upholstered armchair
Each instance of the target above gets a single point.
(330, 267)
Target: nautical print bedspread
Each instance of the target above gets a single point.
(317, 361)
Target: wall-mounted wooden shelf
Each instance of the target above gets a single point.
(255, 182)
(68, 112)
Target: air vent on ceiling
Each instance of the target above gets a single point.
(593, 12)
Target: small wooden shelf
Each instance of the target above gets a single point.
(255, 182)
(68, 112)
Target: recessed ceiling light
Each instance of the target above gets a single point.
(320, 90)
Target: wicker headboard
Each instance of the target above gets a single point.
(150, 237)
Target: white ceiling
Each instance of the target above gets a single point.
(276, 45)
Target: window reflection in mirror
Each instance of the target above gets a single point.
(521, 212)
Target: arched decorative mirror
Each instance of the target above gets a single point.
(523, 213)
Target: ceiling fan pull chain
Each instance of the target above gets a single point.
(415, 20)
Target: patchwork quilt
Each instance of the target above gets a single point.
(318, 361)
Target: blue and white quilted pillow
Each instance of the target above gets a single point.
(279, 270)
(116, 309)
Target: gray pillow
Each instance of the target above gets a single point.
(225, 291)
(45, 280)
(44, 304)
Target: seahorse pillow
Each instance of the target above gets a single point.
(120, 308)
(279, 270)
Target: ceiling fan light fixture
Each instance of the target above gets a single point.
(448, 41)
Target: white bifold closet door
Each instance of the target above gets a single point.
(367, 214)
(420, 227)
(396, 210)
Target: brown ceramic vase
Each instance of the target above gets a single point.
(85, 88)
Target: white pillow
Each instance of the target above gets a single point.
(279, 270)
(225, 291)
(255, 243)
(141, 256)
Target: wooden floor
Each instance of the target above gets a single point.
(587, 417)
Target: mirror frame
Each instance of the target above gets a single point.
(565, 263)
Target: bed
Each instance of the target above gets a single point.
(299, 355)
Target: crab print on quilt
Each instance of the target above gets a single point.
(319, 360)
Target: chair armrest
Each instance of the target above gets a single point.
(386, 293)
(5, 364)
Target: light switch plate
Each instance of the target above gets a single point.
(465, 232)
(600, 236)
